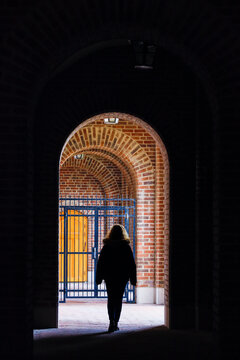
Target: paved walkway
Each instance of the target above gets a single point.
(82, 334)
(94, 315)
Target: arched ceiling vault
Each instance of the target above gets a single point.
(97, 168)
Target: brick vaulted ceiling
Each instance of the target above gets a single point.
(103, 171)
(111, 150)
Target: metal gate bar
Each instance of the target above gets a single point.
(83, 223)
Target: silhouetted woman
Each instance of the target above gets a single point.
(116, 266)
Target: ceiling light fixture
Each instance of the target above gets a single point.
(111, 120)
(79, 156)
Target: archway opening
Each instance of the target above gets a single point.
(114, 173)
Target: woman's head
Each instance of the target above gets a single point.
(117, 233)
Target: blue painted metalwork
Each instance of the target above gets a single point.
(101, 214)
(96, 251)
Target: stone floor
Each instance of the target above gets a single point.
(82, 334)
(91, 314)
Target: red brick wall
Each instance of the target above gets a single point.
(76, 182)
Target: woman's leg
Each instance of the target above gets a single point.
(118, 302)
(115, 295)
(111, 303)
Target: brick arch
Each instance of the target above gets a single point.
(162, 158)
(119, 163)
(132, 120)
(114, 141)
(150, 175)
(128, 174)
(129, 178)
(99, 171)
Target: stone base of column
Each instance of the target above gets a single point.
(149, 295)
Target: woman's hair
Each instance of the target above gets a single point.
(117, 233)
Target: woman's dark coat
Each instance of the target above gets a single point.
(116, 263)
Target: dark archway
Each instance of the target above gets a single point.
(168, 107)
(36, 39)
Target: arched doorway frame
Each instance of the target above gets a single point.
(189, 59)
(160, 151)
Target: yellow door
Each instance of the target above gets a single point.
(77, 242)
(61, 247)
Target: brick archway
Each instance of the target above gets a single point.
(140, 155)
(72, 170)
(127, 173)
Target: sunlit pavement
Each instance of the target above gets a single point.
(94, 315)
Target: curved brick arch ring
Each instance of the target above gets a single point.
(119, 145)
(88, 137)
(104, 153)
(108, 139)
(99, 171)
(111, 140)
(127, 172)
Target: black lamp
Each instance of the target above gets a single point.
(144, 55)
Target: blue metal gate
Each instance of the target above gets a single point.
(83, 223)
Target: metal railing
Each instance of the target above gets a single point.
(83, 223)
